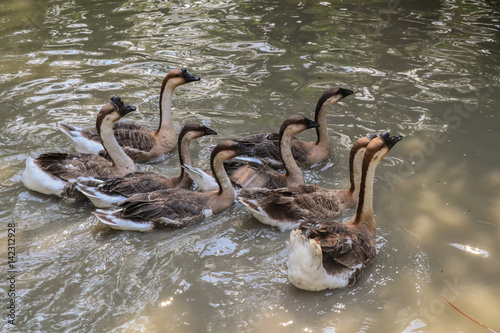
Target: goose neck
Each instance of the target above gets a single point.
(184, 159)
(222, 179)
(120, 160)
(293, 173)
(165, 109)
(364, 210)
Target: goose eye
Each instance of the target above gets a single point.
(381, 146)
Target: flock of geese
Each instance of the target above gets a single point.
(262, 171)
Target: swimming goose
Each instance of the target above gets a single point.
(174, 208)
(266, 145)
(287, 207)
(246, 174)
(104, 193)
(141, 143)
(334, 255)
(55, 173)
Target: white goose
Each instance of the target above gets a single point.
(104, 193)
(55, 173)
(174, 208)
(141, 143)
(334, 255)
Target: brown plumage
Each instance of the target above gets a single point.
(175, 208)
(106, 192)
(252, 174)
(266, 145)
(286, 207)
(141, 143)
(334, 255)
(55, 173)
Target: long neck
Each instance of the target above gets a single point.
(118, 157)
(293, 173)
(322, 131)
(364, 210)
(184, 158)
(355, 170)
(222, 179)
(165, 108)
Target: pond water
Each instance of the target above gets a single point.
(428, 70)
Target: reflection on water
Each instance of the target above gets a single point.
(425, 69)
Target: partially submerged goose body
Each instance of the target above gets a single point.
(141, 143)
(55, 173)
(266, 145)
(334, 255)
(247, 174)
(104, 193)
(287, 207)
(174, 208)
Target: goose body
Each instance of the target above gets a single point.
(287, 207)
(55, 173)
(175, 208)
(266, 145)
(249, 173)
(104, 193)
(141, 143)
(334, 255)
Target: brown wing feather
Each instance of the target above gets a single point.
(266, 147)
(183, 207)
(343, 247)
(136, 182)
(69, 166)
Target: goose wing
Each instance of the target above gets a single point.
(71, 166)
(136, 182)
(342, 247)
(166, 208)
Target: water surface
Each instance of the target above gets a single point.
(428, 70)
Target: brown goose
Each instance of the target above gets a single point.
(55, 173)
(141, 143)
(266, 145)
(334, 255)
(246, 174)
(104, 193)
(251, 174)
(287, 207)
(174, 208)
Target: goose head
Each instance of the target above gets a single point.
(380, 146)
(296, 124)
(178, 77)
(194, 130)
(229, 149)
(113, 111)
(332, 96)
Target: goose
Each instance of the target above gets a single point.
(104, 193)
(55, 173)
(175, 208)
(334, 255)
(141, 143)
(286, 207)
(246, 174)
(266, 145)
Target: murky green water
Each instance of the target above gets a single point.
(428, 70)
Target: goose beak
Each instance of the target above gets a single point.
(372, 136)
(125, 109)
(390, 141)
(209, 131)
(310, 123)
(345, 92)
(189, 77)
